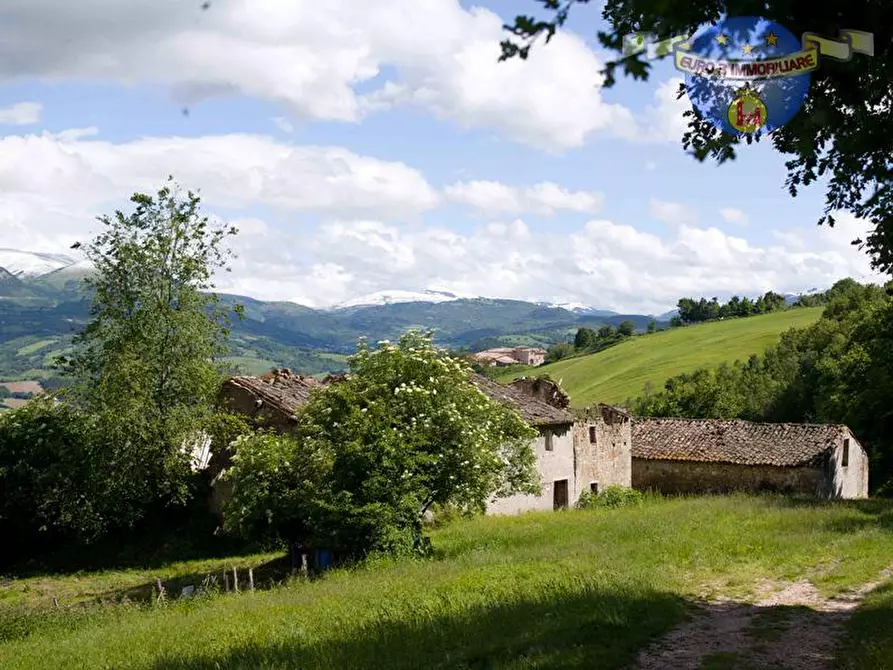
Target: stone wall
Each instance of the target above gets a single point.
(607, 460)
(543, 389)
(696, 477)
(850, 481)
(552, 466)
(242, 401)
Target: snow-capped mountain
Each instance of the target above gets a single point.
(32, 264)
(390, 297)
(577, 308)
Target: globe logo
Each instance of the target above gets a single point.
(749, 76)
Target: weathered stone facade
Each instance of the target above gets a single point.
(691, 477)
(555, 463)
(713, 456)
(543, 389)
(603, 446)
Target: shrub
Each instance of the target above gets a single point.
(407, 430)
(60, 481)
(612, 496)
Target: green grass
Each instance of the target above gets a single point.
(35, 346)
(135, 583)
(621, 372)
(578, 589)
(251, 366)
(869, 633)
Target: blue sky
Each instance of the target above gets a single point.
(367, 149)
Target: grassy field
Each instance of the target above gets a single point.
(621, 372)
(870, 633)
(543, 590)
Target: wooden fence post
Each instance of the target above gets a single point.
(55, 602)
(251, 579)
(226, 581)
(160, 588)
(235, 580)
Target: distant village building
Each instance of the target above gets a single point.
(719, 456)
(502, 356)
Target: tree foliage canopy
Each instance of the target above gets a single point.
(145, 361)
(407, 429)
(842, 134)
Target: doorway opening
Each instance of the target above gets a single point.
(559, 494)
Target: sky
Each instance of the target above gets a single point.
(364, 146)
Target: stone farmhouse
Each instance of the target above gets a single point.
(271, 400)
(502, 356)
(716, 456)
(574, 451)
(580, 450)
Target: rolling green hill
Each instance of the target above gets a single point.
(621, 372)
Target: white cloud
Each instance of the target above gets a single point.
(373, 236)
(732, 215)
(283, 124)
(310, 57)
(545, 198)
(602, 263)
(21, 114)
(672, 213)
(76, 176)
(663, 121)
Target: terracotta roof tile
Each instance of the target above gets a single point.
(733, 441)
(533, 410)
(288, 393)
(284, 392)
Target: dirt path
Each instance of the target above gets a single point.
(787, 626)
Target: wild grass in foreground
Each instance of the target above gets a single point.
(579, 589)
(870, 633)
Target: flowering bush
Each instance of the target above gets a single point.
(406, 430)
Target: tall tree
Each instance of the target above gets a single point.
(145, 361)
(841, 134)
(584, 338)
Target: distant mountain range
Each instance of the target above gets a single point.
(43, 301)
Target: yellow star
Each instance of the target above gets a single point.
(747, 49)
(721, 39)
(772, 39)
(685, 46)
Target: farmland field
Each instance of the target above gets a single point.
(621, 372)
